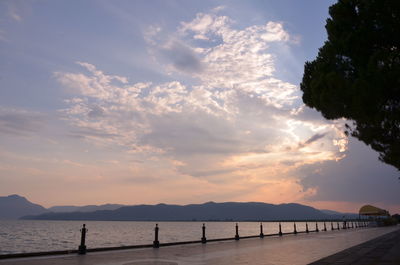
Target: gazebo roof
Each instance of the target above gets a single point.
(372, 210)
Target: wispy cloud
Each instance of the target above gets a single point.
(13, 13)
(3, 35)
(20, 122)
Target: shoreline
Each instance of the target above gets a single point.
(295, 249)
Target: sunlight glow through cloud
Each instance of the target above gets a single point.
(236, 124)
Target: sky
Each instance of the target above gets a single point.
(145, 102)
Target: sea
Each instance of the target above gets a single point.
(24, 236)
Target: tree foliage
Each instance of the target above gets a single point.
(356, 74)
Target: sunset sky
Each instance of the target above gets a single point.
(142, 102)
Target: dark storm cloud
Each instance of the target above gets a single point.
(359, 177)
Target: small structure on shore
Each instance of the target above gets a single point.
(369, 210)
(379, 216)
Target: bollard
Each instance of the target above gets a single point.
(316, 227)
(324, 227)
(352, 224)
(261, 231)
(203, 238)
(237, 232)
(332, 226)
(82, 247)
(295, 230)
(280, 229)
(156, 243)
(338, 227)
(307, 228)
(344, 225)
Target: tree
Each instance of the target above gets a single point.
(356, 74)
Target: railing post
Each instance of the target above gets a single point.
(280, 229)
(203, 238)
(82, 247)
(237, 232)
(156, 243)
(316, 227)
(307, 228)
(324, 226)
(261, 231)
(295, 230)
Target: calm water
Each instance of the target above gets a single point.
(33, 236)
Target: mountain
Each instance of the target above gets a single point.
(206, 211)
(15, 206)
(330, 212)
(87, 208)
(339, 215)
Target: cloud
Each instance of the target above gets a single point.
(204, 24)
(3, 35)
(275, 32)
(20, 122)
(14, 10)
(183, 57)
(96, 112)
(15, 16)
(312, 139)
(358, 177)
(233, 123)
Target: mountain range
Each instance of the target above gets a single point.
(86, 208)
(14, 207)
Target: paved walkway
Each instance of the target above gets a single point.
(384, 250)
(287, 250)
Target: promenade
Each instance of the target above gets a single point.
(384, 250)
(289, 250)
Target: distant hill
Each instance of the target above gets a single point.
(87, 208)
(15, 206)
(339, 215)
(206, 211)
